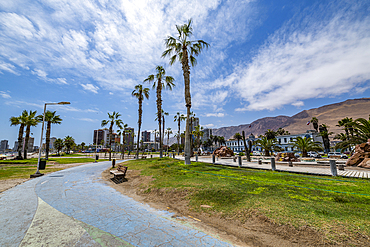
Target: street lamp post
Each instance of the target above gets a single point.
(38, 174)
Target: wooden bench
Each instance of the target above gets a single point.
(120, 173)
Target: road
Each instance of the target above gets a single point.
(75, 207)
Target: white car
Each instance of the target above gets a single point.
(256, 153)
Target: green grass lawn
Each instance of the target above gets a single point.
(33, 161)
(14, 169)
(337, 207)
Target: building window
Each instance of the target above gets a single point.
(279, 141)
(284, 140)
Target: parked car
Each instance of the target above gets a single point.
(314, 155)
(256, 153)
(337, 155)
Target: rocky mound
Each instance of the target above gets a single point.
(223, 152)
(361, 157)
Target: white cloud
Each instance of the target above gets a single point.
(90, 87)
(7, 67)
(320, 58)
(208, 125)
(88, 119)
(5, 95)
(43, 75)
(214, 114)
(298, 104)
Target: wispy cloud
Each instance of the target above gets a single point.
(7, 67)
(88, 120)
(5, 95)
(214, 114)
(43, 75)
(90, 87)
(315, 58)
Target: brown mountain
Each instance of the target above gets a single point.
(328, 114)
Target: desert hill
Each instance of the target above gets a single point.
(328, 114)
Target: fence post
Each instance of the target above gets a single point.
(196, 158)
(213, 159)
(113, 162)
(333, 168)
(240, 161)
(273, 166)
(173, 155)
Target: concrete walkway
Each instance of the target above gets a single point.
(74, 207)
(299, 167)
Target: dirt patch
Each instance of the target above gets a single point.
(246, 229)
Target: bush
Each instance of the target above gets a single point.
(241, 154)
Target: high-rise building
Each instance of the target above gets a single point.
(129, 138)
(101, 135)
(145, 136)
(4, 145)
(206, 134)
(195, 122)
(51, 144)
(30, 148)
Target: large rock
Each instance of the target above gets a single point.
(223, 152)
(365, 163)
(361, 157)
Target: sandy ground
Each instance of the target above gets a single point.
(256, 231)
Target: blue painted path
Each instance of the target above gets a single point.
(75, 207)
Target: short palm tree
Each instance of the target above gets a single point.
(185, 50)
(140, 93)
(198, 133)
(361, 134)
(69, 143)
(238, 137)
(113, 120)
(31, 120)
(58, 144)
(50, 118)
(306, 144)
(178, 118)
(266, 144)
(21, 121)
(347, 124)
(160, 80)
(270, 134)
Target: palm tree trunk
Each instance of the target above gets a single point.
(110, 141)
(163, 134)
(28, 130)
(178, 139)
(159, 112)
(186, 73)
(138, 134)
(47, 141)
(20, 139)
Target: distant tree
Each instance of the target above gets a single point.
(324, 133)
(122, 132)
(140, 93)
(266, 144)
(270, 134)
(305, 145)
(69, 143)
(113, 120)
(282, 131)
(238, 137)
(198, 133)
(160, 80)
(168, 132)
(21, 121)
(58, 144)
(50, 118)
(347, 124)
(31, 120)
(315, 123)
(83, 145)
(178, 118)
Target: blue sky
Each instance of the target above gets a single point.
(266, 58)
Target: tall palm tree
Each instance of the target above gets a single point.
(113, 120)
(160, 80)
(198, 133)
(20, 120)
(324, 133)
(58, 144)
(178, 117)
(31, 120)
(306, 144)
(164, 123)
(185, 50)
(270, 134)
(315, 123)
(140, 93)
(50, 118)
